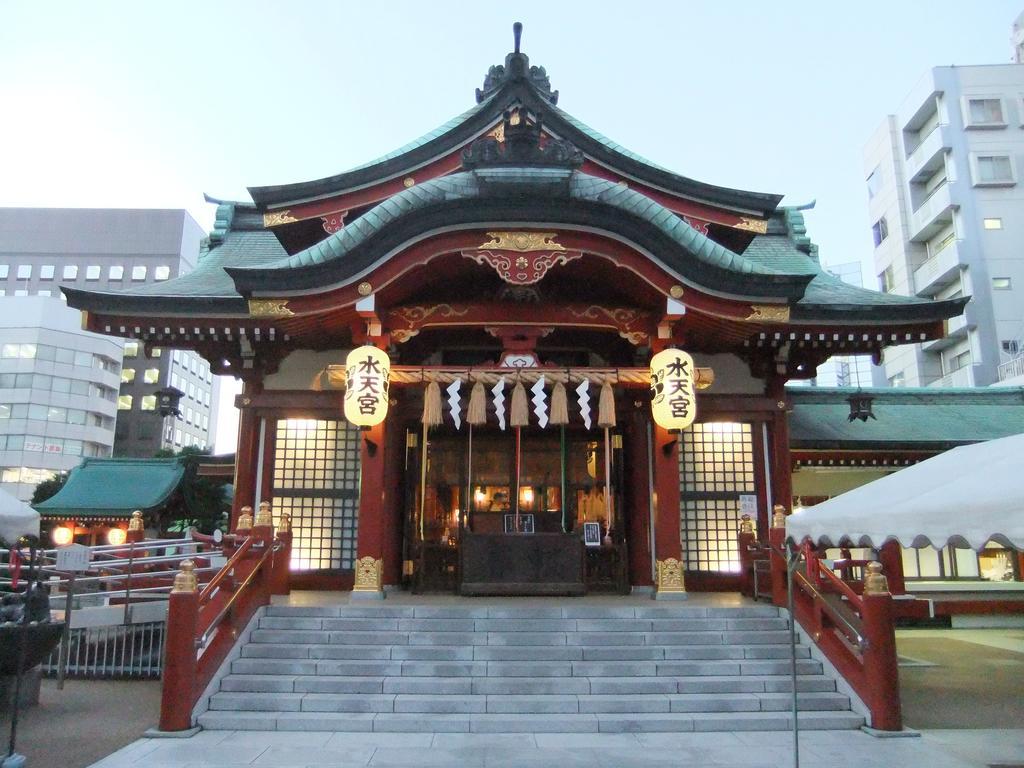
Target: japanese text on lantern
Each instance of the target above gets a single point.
(367, 379)
(673, 391)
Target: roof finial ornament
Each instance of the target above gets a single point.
(517, 34)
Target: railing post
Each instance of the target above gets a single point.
(777, 539)
(179, 677)
(280, 572)
(744, 540)
(136, 532)
(881, 672)
(891, 557)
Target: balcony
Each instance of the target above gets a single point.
(933, 214)
(928, 156)
(1012, 369)
(938, 271)
(962, 378)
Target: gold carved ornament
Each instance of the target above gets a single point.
(768, 313)
(760, 226)
(746, 524)
(276, 218)
(284, 524)
(778, 516)
(369, 575)
(670, 575)
(135, 524)
(270, 308)
(523, 242)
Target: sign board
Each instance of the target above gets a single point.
(367, 380)
(673, 389)
(525, 524)
(748, 504)
(592, 534)
(73, 557)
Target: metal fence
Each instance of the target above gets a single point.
(116, 651)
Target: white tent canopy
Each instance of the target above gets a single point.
(17, 519)
(965, 497)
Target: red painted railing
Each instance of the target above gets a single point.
(852, 626)
(203, 625)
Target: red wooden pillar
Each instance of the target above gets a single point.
(667, 544)
(179, 675)
(780, 461)
(371, 535)
(246, 458)
(392, 511)
(639, 500)
(880, 664)
(891, 558)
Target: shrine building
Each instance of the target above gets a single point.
(504, 284)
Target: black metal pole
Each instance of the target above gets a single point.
(791, 565)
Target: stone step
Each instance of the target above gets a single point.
(520, 703)
(578, 611)
(511, 723)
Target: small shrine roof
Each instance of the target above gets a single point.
(115, 487)
(906, 418)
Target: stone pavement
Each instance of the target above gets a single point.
(754, 749)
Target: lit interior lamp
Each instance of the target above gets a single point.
(117, 536)
(526, 496)
(479, 497)
(62, 535)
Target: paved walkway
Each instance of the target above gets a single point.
(836, 749)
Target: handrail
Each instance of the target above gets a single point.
(852, 632)
(226, 569)
(215, 622)
(839, 584)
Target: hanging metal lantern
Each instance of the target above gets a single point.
(860, 406)
(367, 380)
(167, 400)
(673, 393)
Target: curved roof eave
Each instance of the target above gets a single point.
(460, 129)
(584, 202)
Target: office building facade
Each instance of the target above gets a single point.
(108, 250)
(946, 210)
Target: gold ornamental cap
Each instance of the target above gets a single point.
(875, 582)
(284, 525)
(264, 517)
(135, 524)
(244, 520)
(186, 580)
(746, 524)
(778, 516)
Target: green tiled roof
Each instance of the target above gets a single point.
(906, 418)
(115, 488)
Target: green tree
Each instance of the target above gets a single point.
(48, 488)
(201, 501)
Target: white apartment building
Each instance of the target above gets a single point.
(58, 392)
(45, 249)
(946, 203)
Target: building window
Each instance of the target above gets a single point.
(44, 293)
(139, 273)
(24, 351)
(177, 437)
(984, 113)
(1001, 283)
(92, 272)
(127, 375)
(874, 182)
(115, 272)
(993, 170)
(155, 352)
(957, 362)
(4, 271)
(1010, 346)
(20, 292)
(898, 380)
(151, 376)
(124, 403)
(992, 223)
(879, 231)
(886, 281)
(131, 349)
(46, 272)
(148, 403)
(24, 271)
(70, 272)
(161, 273)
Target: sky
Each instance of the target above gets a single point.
(153, 104)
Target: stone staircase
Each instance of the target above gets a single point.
(501, 668)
